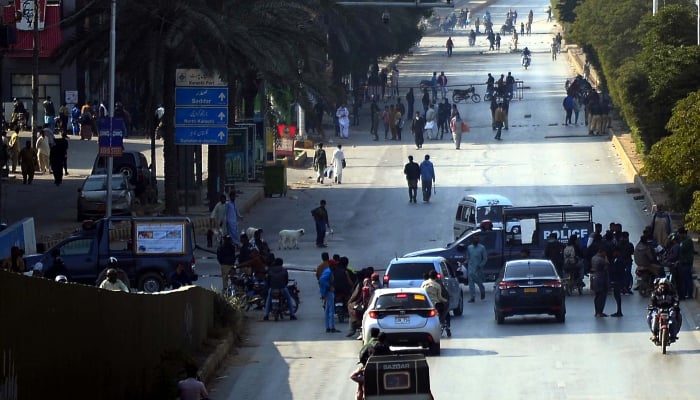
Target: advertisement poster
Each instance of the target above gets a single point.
(286, 135)
(156, 238)
(236, 151)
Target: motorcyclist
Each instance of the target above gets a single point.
(526, 55)
(435, 291)
(277, 279)
(664, 296)
(112, 282)
(645, 256)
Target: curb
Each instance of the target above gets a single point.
(216, 358)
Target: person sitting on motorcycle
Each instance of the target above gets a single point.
(664, 296)
(435, 292)
(645, 257)
(277, 279)
(526, 55)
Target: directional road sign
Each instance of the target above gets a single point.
(201, 116)
(216, 135)
(201, 96)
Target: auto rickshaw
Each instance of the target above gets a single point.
(398, 376)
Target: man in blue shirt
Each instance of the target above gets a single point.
(427, 177)
(475, 267)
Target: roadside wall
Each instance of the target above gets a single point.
(77, 342)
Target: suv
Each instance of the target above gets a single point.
(134, 165)
(407, 272)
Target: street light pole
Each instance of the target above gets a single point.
(35, 71)
(112, 68)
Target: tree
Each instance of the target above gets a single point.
(673, 159)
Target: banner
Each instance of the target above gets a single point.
(26, 7)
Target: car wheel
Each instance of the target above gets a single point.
(151, 282)
(500, 318)
(434, 349)
(457, 312)
(561, 317)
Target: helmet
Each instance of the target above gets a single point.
(113, 260)
(112, 272)
(61, 279)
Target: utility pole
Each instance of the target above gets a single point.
(35, 72)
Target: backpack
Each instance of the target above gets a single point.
(570, 255)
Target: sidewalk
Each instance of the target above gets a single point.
(653, 193)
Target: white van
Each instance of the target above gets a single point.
(475, 208)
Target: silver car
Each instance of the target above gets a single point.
(407, 272)
(406, 316)
(92, 196)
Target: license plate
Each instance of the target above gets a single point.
(275, 300)
(530, 290)
(402, 320)
(338, 304)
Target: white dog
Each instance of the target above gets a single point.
(250, 232)
(289, 239)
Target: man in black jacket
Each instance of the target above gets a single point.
(226, 255)
(412, 172)
(277, 279)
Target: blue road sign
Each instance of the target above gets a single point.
(111, 136)
(201, 116)
(201, 96)
(216, 135)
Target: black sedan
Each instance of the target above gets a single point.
(529, 286)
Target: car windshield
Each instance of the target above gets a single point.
(529, 270)
(97, 183)
(406, 271)
(401, 301)
(492, 213)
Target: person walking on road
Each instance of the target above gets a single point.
(338, 164)
(617, 279)
(375, 115)
(218, 216)
(475, 268)
(685, 268)
(343, 120)
(14, 148)
(410, 102)
(412, 172)
(57, 158)
(232, 217)
(27, 162)
(599, 281)
(427, 177)
(226, 256)
(449, 46)
(49, 113)
(320, 163)
(320, 215)
(417, 128)
(458, 126)
(42, 146)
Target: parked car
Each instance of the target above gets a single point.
(406, 315)
(408, 273)
(92, 197)
(529, 286)
(134, 165)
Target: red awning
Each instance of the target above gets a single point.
(50, 38)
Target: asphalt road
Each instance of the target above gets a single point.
(538, 162)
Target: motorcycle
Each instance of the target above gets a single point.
(278, 301)
(459, 95)
(341, 308)
(256, 294)
(572, 282)
(663, 322)
(526, 61)
(645, 281)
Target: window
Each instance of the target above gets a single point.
(77, 247)
(407, 271)
(402, 300)
(530, 270)
(399, 380)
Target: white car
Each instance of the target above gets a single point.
(406, 316)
